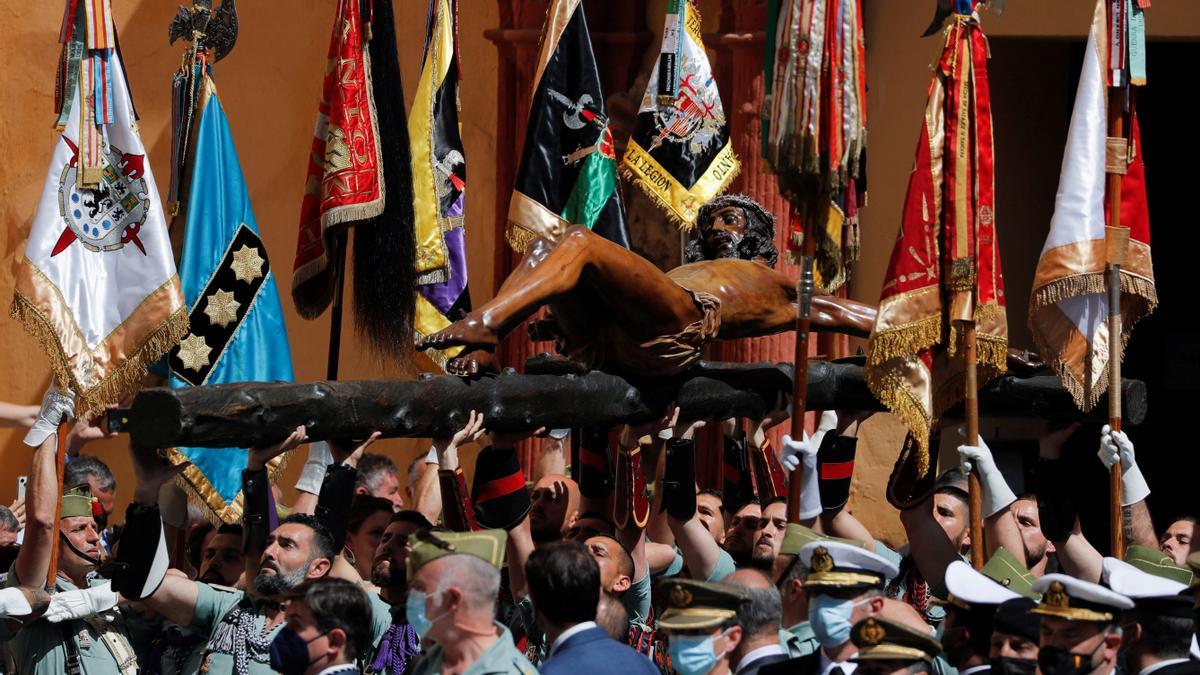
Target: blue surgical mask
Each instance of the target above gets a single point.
(830, 619)
(414, 611)
(692, 654)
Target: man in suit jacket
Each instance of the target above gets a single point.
(759, 618)
(1157, 632)
(564, 585)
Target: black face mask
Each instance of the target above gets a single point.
(1058, 661)
(1006, 665)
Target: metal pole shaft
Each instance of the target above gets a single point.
(800, 380)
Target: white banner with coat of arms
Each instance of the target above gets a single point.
(97, 285)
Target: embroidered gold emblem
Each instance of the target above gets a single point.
(1056, 596)
(247, 264)
(222, 308)
(681, 597)
(872, 633)
(194, 351)
(821, 560)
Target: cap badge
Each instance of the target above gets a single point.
(681, 597)
(872, 633)
(821, 560)
(1056, 596)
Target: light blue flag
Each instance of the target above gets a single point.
(237, 328)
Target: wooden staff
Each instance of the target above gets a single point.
(64, 431)
(1116, 239)
(335, 315)
(971, 411)
(800, 380)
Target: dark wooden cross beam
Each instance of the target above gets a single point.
(251, 414)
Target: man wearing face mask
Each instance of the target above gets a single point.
(1015, 635)
(328, 628)
(399, 644)
(970, 611)
(1157, 632)
(702, 626)
(844, 585)
(797, 635)
(453, 580)
(1081, 631)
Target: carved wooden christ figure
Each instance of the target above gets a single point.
(614, 310)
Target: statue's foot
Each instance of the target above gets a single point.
(469, 332)
(472, 363)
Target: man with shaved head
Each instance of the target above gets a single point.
(759, 618)
(555, 508)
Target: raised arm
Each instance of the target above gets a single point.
(700, 551)
(15, 415)
(1057, 482)
(41, 497)
(1135, 514)
(1000, 525)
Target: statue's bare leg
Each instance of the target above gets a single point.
(582, 272)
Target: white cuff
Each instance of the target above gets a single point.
(810, 489)
(14, 603)
(431, 456)
(313, 473)
(1133, 486)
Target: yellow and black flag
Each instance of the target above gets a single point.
(679, 152)
(568, 173)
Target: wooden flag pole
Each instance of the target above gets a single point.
(335, 314)
(64, 432)
(1116, 241)
(800, 380)
(971, 408)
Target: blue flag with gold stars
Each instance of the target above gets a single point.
(237, 328)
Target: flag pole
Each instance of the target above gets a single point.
(63, 432)
(971, 408)
(335, 314)
(800, 377)
(1116, 241)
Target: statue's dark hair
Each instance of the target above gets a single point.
(759, 241)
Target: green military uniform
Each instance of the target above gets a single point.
(1153, 561)
(799, 640)
(487, 545)
(97, 645)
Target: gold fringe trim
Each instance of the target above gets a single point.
(125, 376)
(904, 341)
(201, 492)
(664, 204)
(1094, 284)
(518, 237)
(893, 391)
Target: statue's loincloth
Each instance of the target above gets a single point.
(657, 357)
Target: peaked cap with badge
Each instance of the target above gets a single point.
(487, 545)
(880, 639)
(1066, 597)
(1001, 579)
(834, 564)
(700, 604)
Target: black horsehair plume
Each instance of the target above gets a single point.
(384, 246)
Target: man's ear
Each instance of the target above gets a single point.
(360, 490)
(876, 604)
(337, 639)
(734, 636)
(319, 568)
(622, 584)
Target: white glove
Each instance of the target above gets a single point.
(313, 473)
(13, 603)
(827, 423)
(81, 602)
(1114, 446)
(803, 453)
(431, 456)
(58, 406)
(996, 493)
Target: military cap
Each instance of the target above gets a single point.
(879, 639)
(427, 546)
(798, 536)
(77, 501)
(837, 565)
(1193, 561)
(699, 604)
(1154, 561)
(1148, 592)
(1004, 568)
(1073, 599)
(1015, 617)
(971, 589)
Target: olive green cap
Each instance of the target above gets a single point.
(77, 501)
(1004, 568)
(879, 639)
(699, 604)
(1153, 561)
(487, 545)
(797, 536)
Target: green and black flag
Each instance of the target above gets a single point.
(568, 173)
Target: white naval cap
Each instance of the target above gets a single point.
(1069, 598)
(833, 564)
(974, 588)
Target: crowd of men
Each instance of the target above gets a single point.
(382, 570)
